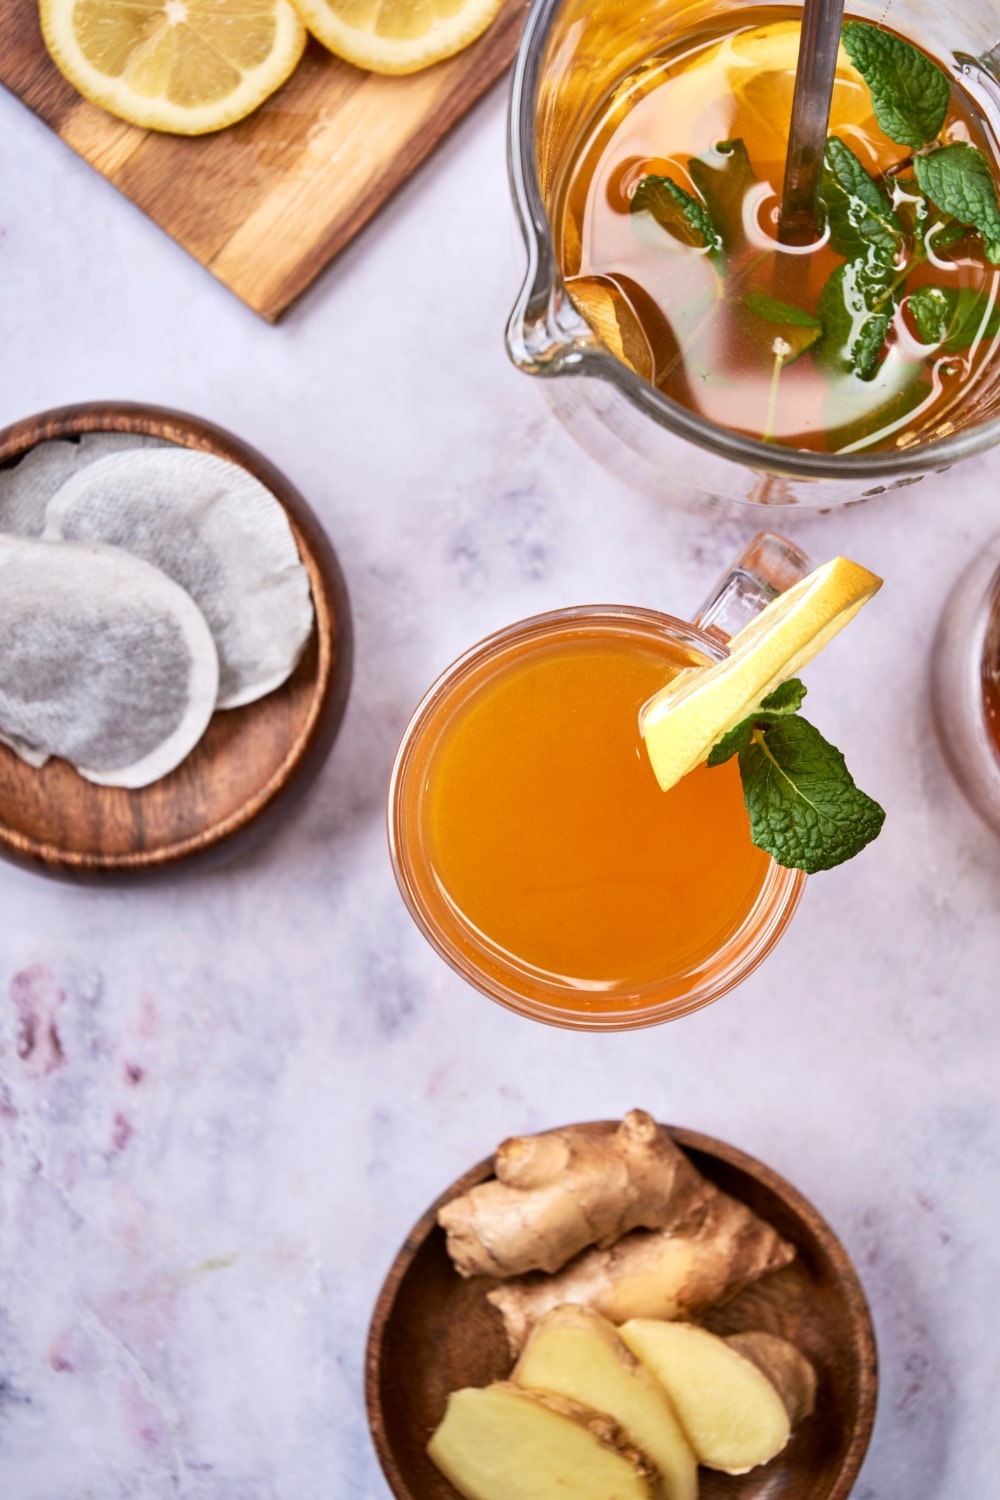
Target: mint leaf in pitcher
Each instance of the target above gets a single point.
(856, 307)
(773, 320)
(677, 211)
(958, 179)
(953, 317)
(858, 212)
(773, 310)
(910, 93)
(723, 177)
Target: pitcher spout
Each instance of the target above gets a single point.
(545, 333)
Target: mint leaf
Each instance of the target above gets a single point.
(953, 317)
(958, 180)
(856, 308)
(676, 211)
(779, 329)
(804, 807)
(909, 92)
(785, 699)
(858, 212)
(733, 742)
(774, 311)
(723, 177)
(931, 313)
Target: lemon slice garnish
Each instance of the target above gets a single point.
(184, 66)
(682, 722)
(396, 36)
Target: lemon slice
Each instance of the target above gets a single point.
(762, 75)
(685, 719)
(613, 321)
(396, 36)
(185, 66)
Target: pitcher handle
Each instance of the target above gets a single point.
(768, 566)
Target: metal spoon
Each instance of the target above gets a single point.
(814, 75)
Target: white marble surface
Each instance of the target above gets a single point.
(223, 1102)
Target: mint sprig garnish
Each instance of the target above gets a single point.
(910, 93)
(677, 211)
(786, 699)
(804, 806)
(958, 179)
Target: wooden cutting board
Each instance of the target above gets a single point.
(266, 204)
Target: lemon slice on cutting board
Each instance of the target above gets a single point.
(682, 722)
(184, 66)
(396, 36)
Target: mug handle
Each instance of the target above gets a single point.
(766, 567)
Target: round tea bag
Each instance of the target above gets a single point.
(217, 532)
(105, 662)
(27, 487)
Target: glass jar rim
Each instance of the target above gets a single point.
(543, 286)
(486, 969)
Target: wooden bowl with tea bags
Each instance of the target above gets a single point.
(176, 642)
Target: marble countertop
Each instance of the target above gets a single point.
(224, 1101)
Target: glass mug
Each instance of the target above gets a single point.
(572, 54)
(965, 684)
(532, 845)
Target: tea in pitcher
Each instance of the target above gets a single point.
(877, 336)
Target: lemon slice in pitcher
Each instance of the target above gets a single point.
(682, 722)
(396, 36)
(183, 66)
(762, 76)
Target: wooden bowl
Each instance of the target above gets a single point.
(433, 1332)
(252, 762)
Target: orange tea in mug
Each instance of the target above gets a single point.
(535, 849)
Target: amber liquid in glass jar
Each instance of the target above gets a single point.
(699, 342)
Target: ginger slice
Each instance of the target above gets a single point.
(732, 1414)
(673, 1273)
(502, 1443)
(576, 1353)
(558, 1192)
(786, 1367)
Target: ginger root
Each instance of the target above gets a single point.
(576, 1353)
(504, 1443)
(732, 1414)
(717, 1249)
(558, 1192)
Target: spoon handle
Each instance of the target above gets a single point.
(814, 75)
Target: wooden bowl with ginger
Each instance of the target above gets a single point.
(434, 1331)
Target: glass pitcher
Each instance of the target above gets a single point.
(572, 54)
(965, 683)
